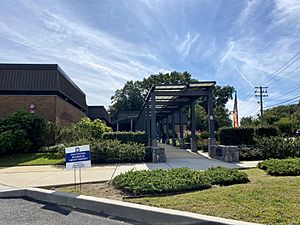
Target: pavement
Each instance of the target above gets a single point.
(36, 212)
(42, 176)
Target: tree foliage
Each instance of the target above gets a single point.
(133, 93)
(286, 118)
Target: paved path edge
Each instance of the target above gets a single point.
(124, 210)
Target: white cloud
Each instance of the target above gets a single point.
(184, 46)
(110, 61)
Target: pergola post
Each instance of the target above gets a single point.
(193, 127)
(159, 132)
(153, 121)
(162, 126)
(167, 130)
(131, 124)
(117, 126)
(148, 128)
(211, 122)
(173, 130)
(181, 128)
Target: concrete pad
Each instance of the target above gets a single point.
(248, 164)
(51, 176)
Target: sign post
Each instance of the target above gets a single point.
(76, 158)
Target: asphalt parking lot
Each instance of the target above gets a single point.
(22, 211)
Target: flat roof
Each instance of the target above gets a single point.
(42, 79)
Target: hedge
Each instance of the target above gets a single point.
(125, 137)
(281, 167)
(113, 151)
(176, 180)
(249, 153)
(244, 135)
(278, 147)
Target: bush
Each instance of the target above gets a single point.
(53, 148)
(24, 132)
(223, 176)
(113, 151)
(202, 145)
(249, 153)
(204, 135)
(244, 135)
(281, 167)
(174, 180)
(84, 129)
(260, 132)
(277, 147)
(125, 137)
(236, 136)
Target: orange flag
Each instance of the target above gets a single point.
(235, 113)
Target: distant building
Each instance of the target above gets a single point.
(43, 89)
(125, 121)
(99, 112)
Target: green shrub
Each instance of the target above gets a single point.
(24, 132)
(260, 132)
(278, 147)
(202, 145)
(113, 151)
(175, 180)
(161, 181)
(236, 136)
(281, 167)
(204, 135)
(244, 135)
(84, 129)
(125, 137)
(14, 141)
(223, 176)
(249, 153)
(53, 148)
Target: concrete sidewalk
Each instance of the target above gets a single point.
(41, 176)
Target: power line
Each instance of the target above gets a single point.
(298, 67)
(280, 103)
(283, 67)
(244, 104)
(278, 96)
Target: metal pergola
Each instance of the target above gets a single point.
(164, 100)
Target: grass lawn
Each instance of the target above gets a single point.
(266, 199)
(30, 159)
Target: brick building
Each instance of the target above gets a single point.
(43, 89)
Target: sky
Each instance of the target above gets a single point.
(101, 44)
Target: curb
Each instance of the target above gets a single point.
(123, 210)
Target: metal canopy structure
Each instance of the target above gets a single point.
(164, 100)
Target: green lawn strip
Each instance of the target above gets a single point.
(30, 159)
(266, 199)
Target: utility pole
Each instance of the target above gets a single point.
(261, 92)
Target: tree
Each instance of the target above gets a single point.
(131, 97)
(249, 122)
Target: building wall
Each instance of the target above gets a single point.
(67, 114)
(45, 105)
(50, 107)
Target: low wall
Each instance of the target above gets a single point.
(224, 153)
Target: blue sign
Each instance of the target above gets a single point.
(78, 157)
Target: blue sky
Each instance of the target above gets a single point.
(101, 44)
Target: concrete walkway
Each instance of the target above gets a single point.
(41, 176)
